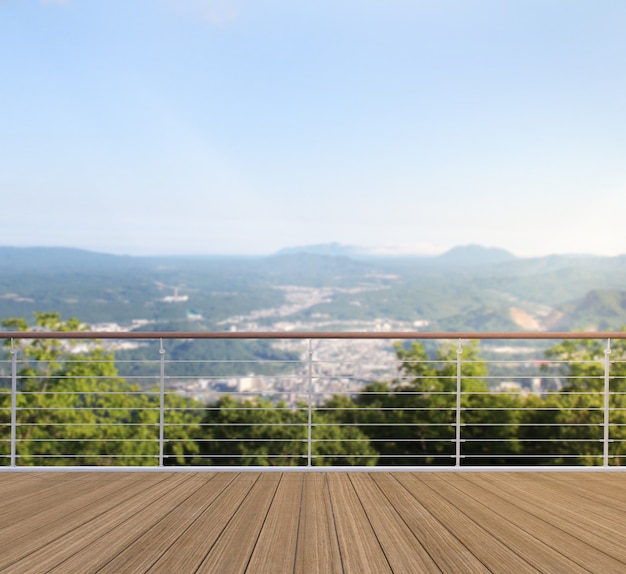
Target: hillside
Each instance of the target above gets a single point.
(474, 255)
(487, 289)
(599, 310)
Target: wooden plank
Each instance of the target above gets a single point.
(605, 513)
(71, 497)
(599, 526)
(19, 487)
(495, 555)
(67, 549)
(80, 513)
(597, 496)
(313, 522)
(610, 484)
(567, 538)
(114, 532)
(232, 550)
(275, 549)
(360, 549)
(37, 499)
(146, 549)
(15, 484)
(449, 553)
(318, 546)
(505, 526)
(403, 550)
(191, 548)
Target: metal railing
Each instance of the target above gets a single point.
(331, 401)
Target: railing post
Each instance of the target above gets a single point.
(13, 405)
(607, 372)
(161, 403)
(457, 441)
(310, 404)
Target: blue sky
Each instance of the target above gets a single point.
(244, 126)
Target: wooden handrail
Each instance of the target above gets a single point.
(308, 335)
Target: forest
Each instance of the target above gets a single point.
(462, 290)
(74, 408)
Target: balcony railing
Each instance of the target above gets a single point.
(329, 401)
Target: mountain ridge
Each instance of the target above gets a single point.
(457, 254)
(497, 291)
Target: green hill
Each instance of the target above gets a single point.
(560, 291)
(599, 310)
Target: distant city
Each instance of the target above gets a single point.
(340, 365)
(319, 288)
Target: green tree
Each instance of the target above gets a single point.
(412, 420)
(540, 434)
(74, 409)
(257, 432)
(570, 424)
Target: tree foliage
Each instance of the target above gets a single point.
(261, 433)
(412, 420)
(576, 413)
(74, 408)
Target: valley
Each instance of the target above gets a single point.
(301, 291)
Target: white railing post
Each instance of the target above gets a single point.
(13, 405)
(161, 403)
(310, 405)
(607, 372)
(457, 440)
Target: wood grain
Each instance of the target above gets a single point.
(301, 522)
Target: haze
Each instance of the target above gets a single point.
(241, 126)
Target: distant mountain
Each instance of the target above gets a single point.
(475, 255)
(554, 263)
(312, 267)
(599, 310)
(59, 258)
(482, 318)
(458, 256)
(331, 249)
(467, 288)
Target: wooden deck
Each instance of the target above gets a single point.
(316, 522)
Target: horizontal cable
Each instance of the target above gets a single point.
(54, 439)
(479, 440)
(93, 393)
(529, 455)
(99, 424)
(131, 409)
(554, 425)
(221, 440)
(99, 455)
(239, 455)
(534, 409)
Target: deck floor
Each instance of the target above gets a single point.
(312, 522)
